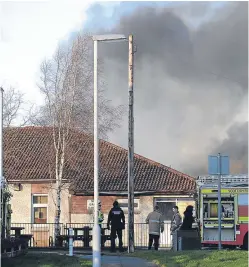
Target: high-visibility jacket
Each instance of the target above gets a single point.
(100, 217)
(155, 221)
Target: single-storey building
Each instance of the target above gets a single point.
(29, 168)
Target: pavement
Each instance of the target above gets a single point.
(120, 261)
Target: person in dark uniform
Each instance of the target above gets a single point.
(117, 219)
(188, 218)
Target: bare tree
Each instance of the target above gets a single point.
(12, 104)
(14, 113)
(67, 83)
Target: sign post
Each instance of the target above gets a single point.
(218, 165)
(219, 200)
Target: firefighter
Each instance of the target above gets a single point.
(155, 221)
(117, 220)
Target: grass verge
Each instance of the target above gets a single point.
(199, 258)
(45, 260)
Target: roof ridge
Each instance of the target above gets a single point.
(27, 127)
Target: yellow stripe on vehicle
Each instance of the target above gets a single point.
(243, 219)
(216, 225)
(215, 219)
(225, 191)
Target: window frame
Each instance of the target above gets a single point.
(176, 199)
(166, 200)
(125, 200)
(34, 205)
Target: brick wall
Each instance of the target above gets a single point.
(79, 212)
(21, 205)
(21, 202)
(107, 203)
(79, 203)
(79, 207)
(39, 188)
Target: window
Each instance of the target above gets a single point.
(123, 203)
(166, 208)
(210, 207)
(40, 200)
(166, 205)
(39, 208)
(213, 210)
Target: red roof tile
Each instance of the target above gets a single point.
(29, 155)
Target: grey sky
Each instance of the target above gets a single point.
(190, 84)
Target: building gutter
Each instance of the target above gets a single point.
(34, 181)
(137, 193)
(111, 193)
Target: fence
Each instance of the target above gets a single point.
(43, 234)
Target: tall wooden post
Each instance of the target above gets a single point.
(3, 204)
(131, 152)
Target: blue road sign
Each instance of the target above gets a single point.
(214, 166)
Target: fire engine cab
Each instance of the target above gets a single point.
(234, 206)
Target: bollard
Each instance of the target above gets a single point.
(70, 242)
(179, 244)
(12, 253)
(175, 240)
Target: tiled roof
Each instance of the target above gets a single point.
(29, 155)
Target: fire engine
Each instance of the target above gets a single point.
(234, 203)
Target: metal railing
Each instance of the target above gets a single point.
(43, 234)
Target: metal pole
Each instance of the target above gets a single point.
(96, 229)
(1, 165)
(71, 242)
(219, 202)
(131, 152)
